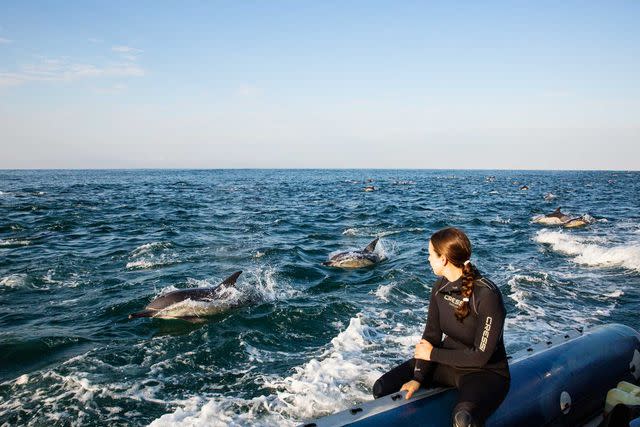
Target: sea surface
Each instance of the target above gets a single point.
(80, 250)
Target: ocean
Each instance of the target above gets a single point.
(82, 249)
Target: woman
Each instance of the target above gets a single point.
(468, 309)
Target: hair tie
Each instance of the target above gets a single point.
(467, 262)
(465, 299)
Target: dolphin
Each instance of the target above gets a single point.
(356, 259)
(554, 218)
(580, 221)
(192, 304)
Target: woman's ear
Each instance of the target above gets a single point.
(443, 260)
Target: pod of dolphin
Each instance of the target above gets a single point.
(195, 304)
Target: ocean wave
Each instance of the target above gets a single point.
(500, 220)
(151, 255)
(383, 291)
(149, 247)
(372, 233)
(587, 251)
(329, 382)
(73, 394)
(144, 264)
(14, 242)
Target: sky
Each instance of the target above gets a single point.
(320, 84)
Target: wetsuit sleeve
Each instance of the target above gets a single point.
(491, 315)
(432, 333)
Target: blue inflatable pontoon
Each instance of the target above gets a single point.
(562, 382)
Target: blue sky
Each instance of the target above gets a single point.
(545, 85)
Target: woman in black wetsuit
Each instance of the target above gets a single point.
(468, 309)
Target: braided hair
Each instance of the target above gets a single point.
(456, 248)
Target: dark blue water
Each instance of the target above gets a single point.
(80, 250)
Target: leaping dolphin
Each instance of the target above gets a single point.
(356, 259)
(554, 218)
(192, 304)
(559, 218)
(580, 221)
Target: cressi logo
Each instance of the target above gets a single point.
(485, 333)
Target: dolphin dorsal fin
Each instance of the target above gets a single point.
(557, 210)
(231, 280)
(372, 246)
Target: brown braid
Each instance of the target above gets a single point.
(456, 247)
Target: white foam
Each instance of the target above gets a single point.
(383, 291)
(14, 280)
(22, 379)
(614, 294)
(151, 255)
(149, 247)
(14, 242)
(501, 220)
(522, 296)
(350, 232)
(143, 264)
(584, 252)
(332, 380)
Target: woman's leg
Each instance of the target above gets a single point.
(393, 380)
(479, 395)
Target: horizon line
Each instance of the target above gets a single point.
(309, 168)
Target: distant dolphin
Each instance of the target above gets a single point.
(191, 304)
(356, 259)
(554, 218)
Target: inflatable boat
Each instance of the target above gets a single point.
(561, 382)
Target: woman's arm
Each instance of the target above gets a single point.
(491, 315)
(432, 333)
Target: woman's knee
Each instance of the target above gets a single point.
(464, 418)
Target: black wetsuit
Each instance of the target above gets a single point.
(471, 357)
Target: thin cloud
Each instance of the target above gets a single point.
(94, 40)
(5, 41)
(62, 70)
(126, 49)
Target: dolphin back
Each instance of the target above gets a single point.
(556, 214)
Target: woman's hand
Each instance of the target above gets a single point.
(411, 387)
(423, 350)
